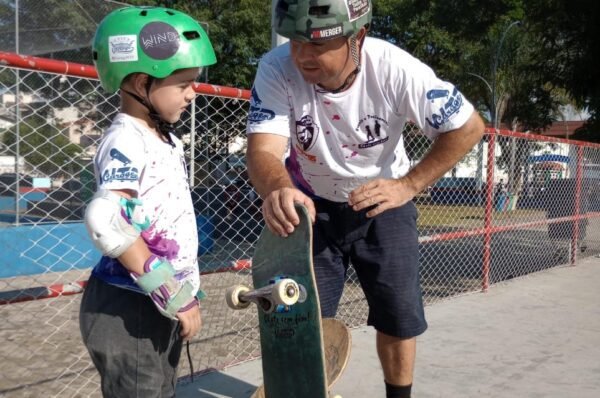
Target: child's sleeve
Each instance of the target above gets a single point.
(121, 162)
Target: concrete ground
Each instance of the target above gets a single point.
(537, 336)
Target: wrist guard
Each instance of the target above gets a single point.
(168, 294)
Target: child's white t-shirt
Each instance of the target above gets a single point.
(132, 157)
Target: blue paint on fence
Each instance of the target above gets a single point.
(7, 203)
(206, 231)
(51, 247)
(42, 248)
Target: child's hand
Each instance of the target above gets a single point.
(190, 322)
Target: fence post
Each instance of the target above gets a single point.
(577, 210)
(192, 165)
(489, 208)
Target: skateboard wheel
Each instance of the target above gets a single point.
(303, 294)
(286, 292)
(233, 294)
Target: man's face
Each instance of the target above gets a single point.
(326, 63)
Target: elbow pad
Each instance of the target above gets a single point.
(109, 222)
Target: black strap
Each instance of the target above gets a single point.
(347, 83)
(164, 128)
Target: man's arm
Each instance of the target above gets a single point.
(446, 151)
(264, 158)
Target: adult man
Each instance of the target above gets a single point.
(342, 101)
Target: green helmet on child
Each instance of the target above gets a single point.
(152, 40)
(318, 20)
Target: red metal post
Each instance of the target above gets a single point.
(489, 211)
(577, 210)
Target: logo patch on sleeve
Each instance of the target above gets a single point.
(447, 111)
(115, 154)
(435, 94)
(258, 114)
(120, 174)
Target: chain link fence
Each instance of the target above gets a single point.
(57, 29)
(517, 204)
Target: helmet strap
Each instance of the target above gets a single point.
(354, 53)
(164, 128)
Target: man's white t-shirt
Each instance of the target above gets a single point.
(132, 157)
(340, 141)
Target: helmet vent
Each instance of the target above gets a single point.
(144, 13)
(191, 35)
(318, 11)
(282, 6)
(170, 12)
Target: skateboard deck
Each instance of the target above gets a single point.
(293, 357)
(337, 342)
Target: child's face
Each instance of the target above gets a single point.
(172, 95)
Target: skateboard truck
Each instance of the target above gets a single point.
(277, 296)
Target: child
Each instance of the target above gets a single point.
(140, 302)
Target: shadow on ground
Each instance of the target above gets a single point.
(215, 384)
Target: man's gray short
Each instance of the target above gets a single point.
(384, 251)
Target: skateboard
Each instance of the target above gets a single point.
(337, 343)
(296, 361)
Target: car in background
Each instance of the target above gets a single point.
(457, 191)
(8, 183)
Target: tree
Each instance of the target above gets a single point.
(240, 31)
(43, 146)
(52, 26)
(460, 39)
(569, 49)
(473, 44)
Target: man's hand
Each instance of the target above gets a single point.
(190, 322)
(279, 212)
(273, 183)
(385, 194)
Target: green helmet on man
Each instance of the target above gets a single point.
(152, 40)
(318, 20)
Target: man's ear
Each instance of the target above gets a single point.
(361, 34)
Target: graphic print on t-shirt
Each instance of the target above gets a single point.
(447, 111)
(375, 128)
(306, 132)
(257, 113)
